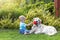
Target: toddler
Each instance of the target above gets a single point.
(23, 25)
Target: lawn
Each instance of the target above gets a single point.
(15, 35)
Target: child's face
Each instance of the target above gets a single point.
(22, 18)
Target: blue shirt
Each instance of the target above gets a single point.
(22, 26)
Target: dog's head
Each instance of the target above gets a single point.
(36, 21)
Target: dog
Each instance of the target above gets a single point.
(38, 28)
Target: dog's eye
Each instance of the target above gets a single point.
(36, 21)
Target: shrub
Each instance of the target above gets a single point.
(50, 7)
(45, 16)
(7, 24)
(9, 17)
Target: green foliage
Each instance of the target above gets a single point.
(45, 16)
(9, 13)
(50, 7)
(7, 24)
(47, 1)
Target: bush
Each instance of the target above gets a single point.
(50, 7)
(45, 16)
(7, 24)
(9, 17)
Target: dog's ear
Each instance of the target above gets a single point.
(40, 20)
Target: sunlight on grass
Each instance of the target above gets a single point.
(15, 35)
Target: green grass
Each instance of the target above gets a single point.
(15, 35)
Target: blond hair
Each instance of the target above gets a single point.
(22, 18)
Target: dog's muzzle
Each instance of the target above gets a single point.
(35, 22)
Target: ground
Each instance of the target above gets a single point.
(15, 35)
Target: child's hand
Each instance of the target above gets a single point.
(30, 24)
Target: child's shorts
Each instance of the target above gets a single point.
(23, 31)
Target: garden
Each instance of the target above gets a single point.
(10, 10)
